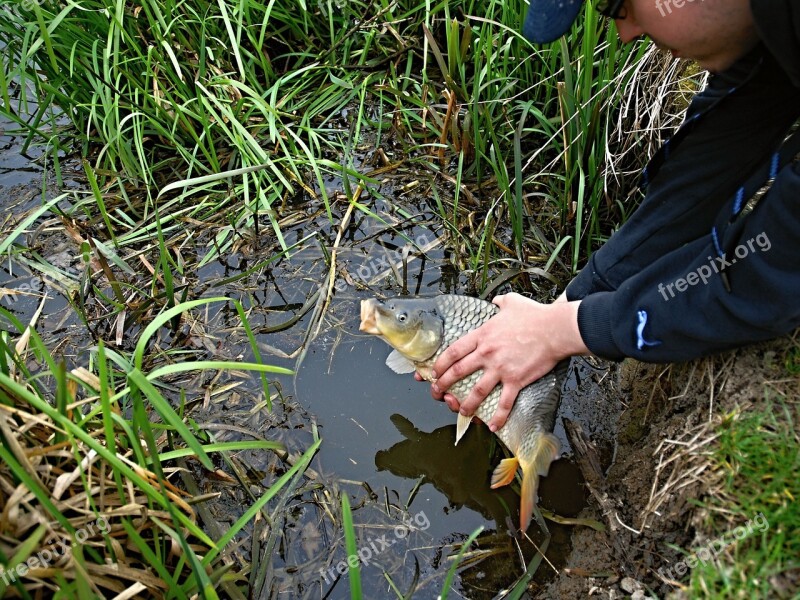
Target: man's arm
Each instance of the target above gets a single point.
(680, 308)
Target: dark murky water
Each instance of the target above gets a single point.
(15, 169)
(385, 441)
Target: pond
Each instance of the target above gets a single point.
(386, 444)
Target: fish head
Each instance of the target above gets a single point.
(410, 325)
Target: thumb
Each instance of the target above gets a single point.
(500, 300)
(503, 299)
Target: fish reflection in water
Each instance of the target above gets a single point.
(461, 473)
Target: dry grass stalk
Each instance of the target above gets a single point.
(86, 537)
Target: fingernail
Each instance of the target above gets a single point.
(492, 427)
(464, 412)
(434, 375)
(435, 388)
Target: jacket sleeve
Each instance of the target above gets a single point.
(679, 307)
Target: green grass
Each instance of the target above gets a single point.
(110, 425)
(760, 455)
(220, 111)
(354, 564)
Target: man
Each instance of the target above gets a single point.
(705, 263)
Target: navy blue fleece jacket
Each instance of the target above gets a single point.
(696, 269)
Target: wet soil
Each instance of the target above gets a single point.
(661, 470)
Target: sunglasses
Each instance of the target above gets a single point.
(612, 9)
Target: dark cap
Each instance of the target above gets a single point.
(548, 20)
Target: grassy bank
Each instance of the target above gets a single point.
(751, 511)
(753, 517)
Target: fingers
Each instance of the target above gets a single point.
(452, 402)
(503, 299)
(458, 371)
(500, 300)
(482, 389)
(449, 399)
(455, 353)
(507, 397)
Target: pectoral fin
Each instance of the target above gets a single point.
(399, 363)
(505, 471)
(461, 426)
(406, 428)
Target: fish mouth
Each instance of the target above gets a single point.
(369, 310)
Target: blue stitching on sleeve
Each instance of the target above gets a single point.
(716, 241)
(737, 204)
(640, 341)
(773, 169)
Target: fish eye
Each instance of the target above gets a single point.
(402, 317)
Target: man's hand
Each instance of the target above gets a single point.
(517, 346)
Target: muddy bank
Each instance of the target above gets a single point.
(661, 468)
